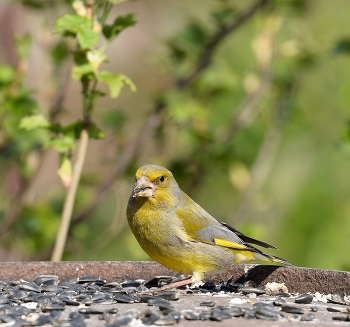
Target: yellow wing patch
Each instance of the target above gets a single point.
(244, 256)
(229, 244)
(242, 253)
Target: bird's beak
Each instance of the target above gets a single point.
(144, 188)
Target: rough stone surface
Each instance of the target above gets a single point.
(297, 279)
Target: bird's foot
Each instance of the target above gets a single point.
(180, 283)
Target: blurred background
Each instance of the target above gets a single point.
(258, 135)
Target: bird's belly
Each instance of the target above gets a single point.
(159, 239)
(189, 257)
(197, 260)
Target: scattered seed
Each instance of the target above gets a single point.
(222, 314)
(265, 313)
(121, 298)
(278, 302)
(53, 306)
(165, 321)
(44, 279)
(176, 315)
(150, 318)
(42, 302)
(130, 284)
(291, 309)
(337, 299)
(330, 309)
(304, 298)
(342, 318)
(249, 290)
(29, 287)
(307, 317)
(190, 315)
(249, 313)
(207, 304)
(209, 286)
(169, 295)
(235, 311)
(88, 279)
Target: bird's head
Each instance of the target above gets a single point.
(155, 182)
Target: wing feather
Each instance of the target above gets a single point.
(200, 226)
(248, 239)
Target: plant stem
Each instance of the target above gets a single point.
(70, 197)
(106, 10)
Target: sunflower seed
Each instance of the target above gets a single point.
(304, 298)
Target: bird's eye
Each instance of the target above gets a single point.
(162, 178)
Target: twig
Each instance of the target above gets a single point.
(70, 197)
(248, 109)
(259, 173)
(212, 44)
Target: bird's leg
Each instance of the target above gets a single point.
(195, 278)
(180, 283)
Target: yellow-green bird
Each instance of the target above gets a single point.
(178, 233)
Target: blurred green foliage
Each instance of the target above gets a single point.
(259, 135)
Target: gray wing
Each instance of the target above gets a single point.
(199, 225)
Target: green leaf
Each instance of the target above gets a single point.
(87, 38)
(119, 24)
(55, 128)
(6, 74)
(59, 52)
(65, 170)
(34, 122)
(74, 129)
(72, 23)
(96, 133)
(224, 16)
(62, 144)
(33, 4)
(342, 47)
(79, 57)
(115, 82)
(113, 118)
(79, 71)
(22, 44)
(189, 42)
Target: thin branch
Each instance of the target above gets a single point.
(70, 198)
(260, 171)
(212, 44)
(153, 121)
(248, 109)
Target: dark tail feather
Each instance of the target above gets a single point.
(246, 238)
(272, 258)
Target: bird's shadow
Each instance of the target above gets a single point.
(257, 274)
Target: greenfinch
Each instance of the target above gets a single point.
(178, 233)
